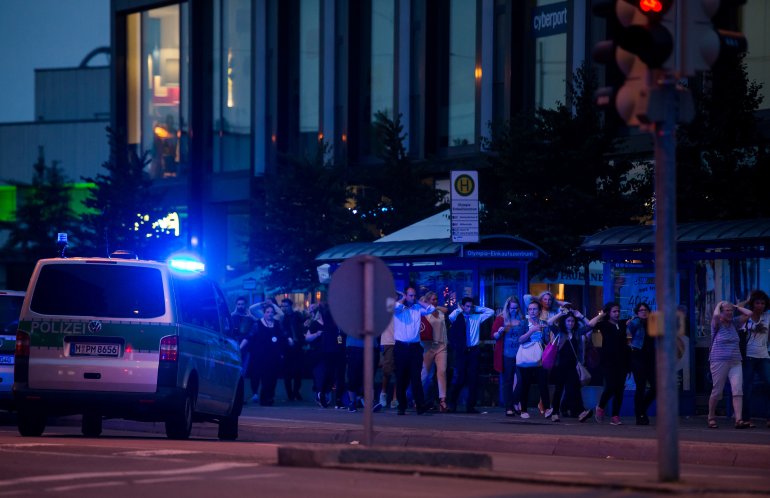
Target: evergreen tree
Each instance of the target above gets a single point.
(551, 181)
(722, 160)
(122, 205)
(44, 211)
(393, 194)
(300, 211)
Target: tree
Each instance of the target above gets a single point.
(301, 212)
(123, 204)
(722, 160)
(551, 181)
(44, 212)
(393, 194)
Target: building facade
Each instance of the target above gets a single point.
(217, 91)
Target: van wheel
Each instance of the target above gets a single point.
(228, 426)
(179, 421)
(91, 425)
(31, 424)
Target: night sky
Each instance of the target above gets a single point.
(36, 34)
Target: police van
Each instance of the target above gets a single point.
(10, 306)
(126, 338)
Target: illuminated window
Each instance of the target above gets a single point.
(156, 67)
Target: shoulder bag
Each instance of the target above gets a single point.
(583, 374)
(426, 330)
(550, 352)
(530, 354)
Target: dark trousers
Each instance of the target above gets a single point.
(644, 373)
(466, 373)
(752, 367)
(566, 381)
(269, 375)
(408, 359)
(614, 385)
(331, 371)
(292, 372)
(510, 396)
(529, 376)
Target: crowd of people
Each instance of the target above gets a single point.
(429, 357)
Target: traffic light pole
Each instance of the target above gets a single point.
(667, 424)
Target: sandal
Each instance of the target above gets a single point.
(713, 424)
(442, 406)
(742, 424)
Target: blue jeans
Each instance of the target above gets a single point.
(752, 366)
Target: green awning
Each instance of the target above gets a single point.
(703, 233)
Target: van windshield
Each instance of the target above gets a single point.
(103, 290)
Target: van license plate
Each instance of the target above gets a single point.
(6, 359)
(85, 349)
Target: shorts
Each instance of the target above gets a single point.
(387, 362)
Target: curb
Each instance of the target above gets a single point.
(295, 456)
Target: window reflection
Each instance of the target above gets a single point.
(383, 57)
(551, 62)
(755, 15)
(161, 90)
(462, 73)
(309, 65)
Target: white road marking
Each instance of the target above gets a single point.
(620, 474)
(562, 473)
(27, 445)
(87, 486)
(212, 467)
(150, 453)
(165, 479)
(253, 476)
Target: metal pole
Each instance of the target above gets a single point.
(665, 290)
(368, 349)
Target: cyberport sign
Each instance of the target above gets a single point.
(550, 20)
(465, 206)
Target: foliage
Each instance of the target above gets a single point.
(721, 158)
(44, 212)
(300, 213)
(120, 196)
(551, 181)
(393, 194)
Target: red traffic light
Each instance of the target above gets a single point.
(651, 5)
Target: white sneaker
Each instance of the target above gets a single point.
(548, 413)
(554, 418)
(383, 399)
(524, 415)
(394, 403)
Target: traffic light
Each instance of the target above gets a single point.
(642, 44)
(703, 41)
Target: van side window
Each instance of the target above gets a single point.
(224, 313)
(196, 302)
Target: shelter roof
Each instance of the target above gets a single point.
(703, 233)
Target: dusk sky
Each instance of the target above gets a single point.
(37, 34)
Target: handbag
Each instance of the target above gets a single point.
(550, 352)
(583, 374)
(426, 330)
(530, 354)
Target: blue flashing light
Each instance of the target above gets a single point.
(186, 264)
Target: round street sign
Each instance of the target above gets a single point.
(361, 286)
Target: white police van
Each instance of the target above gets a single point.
(10, 306)
(122, 338)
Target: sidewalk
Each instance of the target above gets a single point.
(492, 431)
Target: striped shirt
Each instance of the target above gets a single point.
(724, 342)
